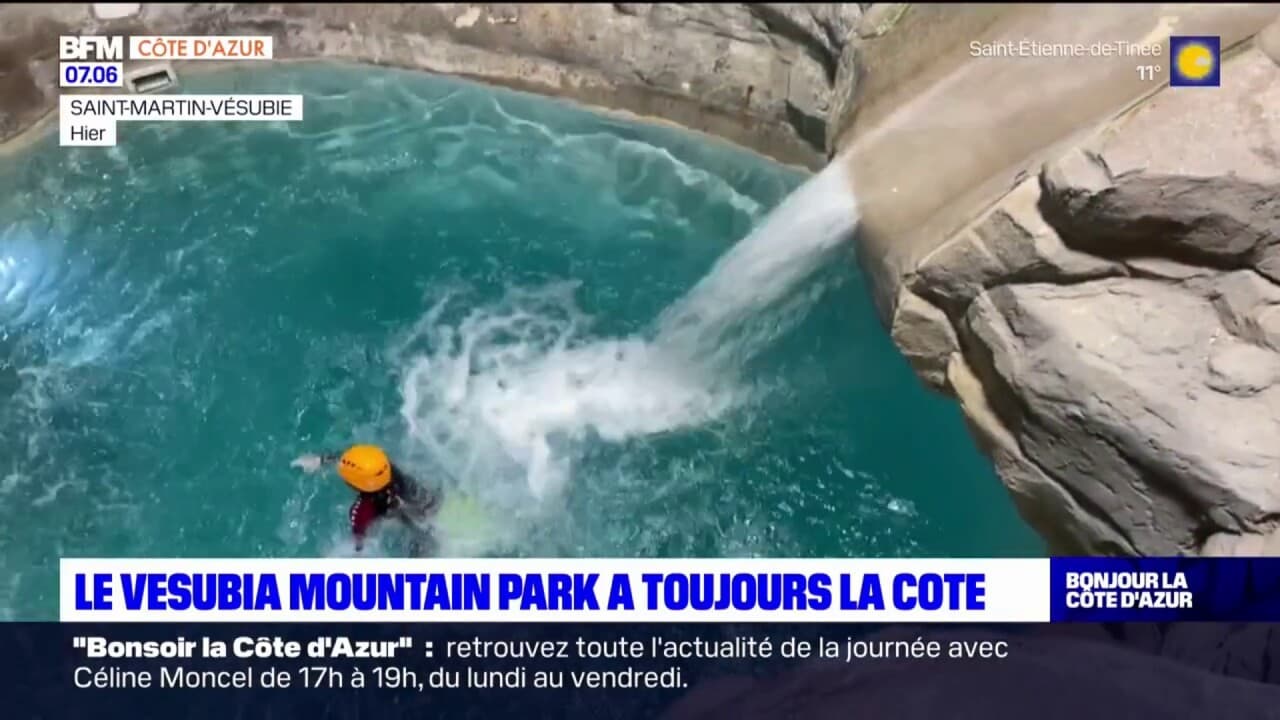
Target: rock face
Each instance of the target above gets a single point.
(1111, 326)
(758, 74)
(1143, 382)
(29, 62)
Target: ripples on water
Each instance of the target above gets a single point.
(489, 284)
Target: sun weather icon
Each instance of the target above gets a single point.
(1194, 61)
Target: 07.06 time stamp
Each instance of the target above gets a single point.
(91, 75)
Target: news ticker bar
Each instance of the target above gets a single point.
(591, 671)
(682, 591)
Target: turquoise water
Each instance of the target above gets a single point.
(494, 286)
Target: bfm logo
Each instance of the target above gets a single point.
(91, 47)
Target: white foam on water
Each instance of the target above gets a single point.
(503, 397)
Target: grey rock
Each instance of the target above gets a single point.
(809, 101)
(844, 93)
(29, 61)
(1212, 221)
(1012, 244)
(1044, 503)
(1249, 307)
(1165, 269)
(880, 18)
(838, 21)
(730, 20)
(925, 337)
(954, 274)
(1151, 400)
(1224, 544)
(1067, 526)
(1079, 173)
(1251, 544)
(823, 31)
(1158, 185)
(1240, 369)
(1118, 325)
(1111, 389)
(825, 28)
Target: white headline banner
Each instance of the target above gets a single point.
(555, 590)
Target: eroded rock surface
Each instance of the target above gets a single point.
(29, 61)
(761, 75)
(1123, 391)
(1117, 326)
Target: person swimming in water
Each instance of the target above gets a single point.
(384, 490)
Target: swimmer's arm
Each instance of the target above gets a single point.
(311, 463)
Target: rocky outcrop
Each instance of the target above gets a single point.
(1111, 325)
(1151, 398)
(29, 62)
(758, 74)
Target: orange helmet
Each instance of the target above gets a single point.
(365, 468)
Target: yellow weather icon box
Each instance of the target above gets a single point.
(1195, 61)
